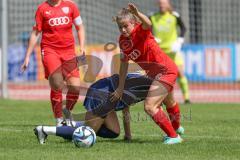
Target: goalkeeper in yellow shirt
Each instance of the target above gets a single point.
(165, 26)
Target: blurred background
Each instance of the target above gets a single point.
(211, 50)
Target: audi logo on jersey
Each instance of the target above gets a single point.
(58, 21)
(134, 54)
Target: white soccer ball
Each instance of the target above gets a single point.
(84, 136)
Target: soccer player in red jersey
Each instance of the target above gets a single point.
(54, 21)
(137, 44)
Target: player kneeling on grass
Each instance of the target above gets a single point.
(101, 115)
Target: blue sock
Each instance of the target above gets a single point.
(65, 132)
(104, 132)
(79, 124)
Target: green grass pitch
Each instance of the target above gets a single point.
(212, 133)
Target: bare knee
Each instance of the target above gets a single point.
(112, 123)
(57, 85)
(150, 109)
(117, 130)
(73, 85)
(169, 102)
(74, 89)
(93, 121)
(56, 82)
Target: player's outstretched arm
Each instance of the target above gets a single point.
(126, 124)
(31, 44)
(146, 22)
(117, 94)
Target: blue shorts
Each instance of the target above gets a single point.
(97, 98)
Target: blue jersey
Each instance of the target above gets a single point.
(98, 95)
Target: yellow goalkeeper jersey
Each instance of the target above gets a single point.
(165, 29)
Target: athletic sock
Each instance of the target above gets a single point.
(104, 132)
(59, 122)
(65, 132)
(183, 83)
(161, 119)
(174, 115)
(50, 130)
(56, 101)
(71, 99)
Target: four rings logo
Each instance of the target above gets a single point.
(58, 21)
(134, 54)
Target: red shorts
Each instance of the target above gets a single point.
(168, 80)
(60, 61)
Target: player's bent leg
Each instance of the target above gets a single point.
(71, 75)
(56, 81)
(110, 127)
(105, 132)
(106, 127)
(66, 132)
(156, 95)
(56, 84)
(56, 102)
(111, 122)
(174, 114)
(94, 121)
(73, 85)
(173, 110)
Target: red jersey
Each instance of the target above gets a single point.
(55, 23)
(141, 48)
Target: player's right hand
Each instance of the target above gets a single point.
(116, 95)
(132, 8)
(25, 64)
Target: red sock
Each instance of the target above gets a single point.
(161, 119)
(174, 115)
(56, 100)
(72, 98)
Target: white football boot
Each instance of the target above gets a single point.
(41, 135)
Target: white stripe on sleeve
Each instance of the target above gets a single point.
(78, 21)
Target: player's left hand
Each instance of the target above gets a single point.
(116, 95)
(127, 138)
(82, 57)
(82, 51)
(25, 64)
(132, 8)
